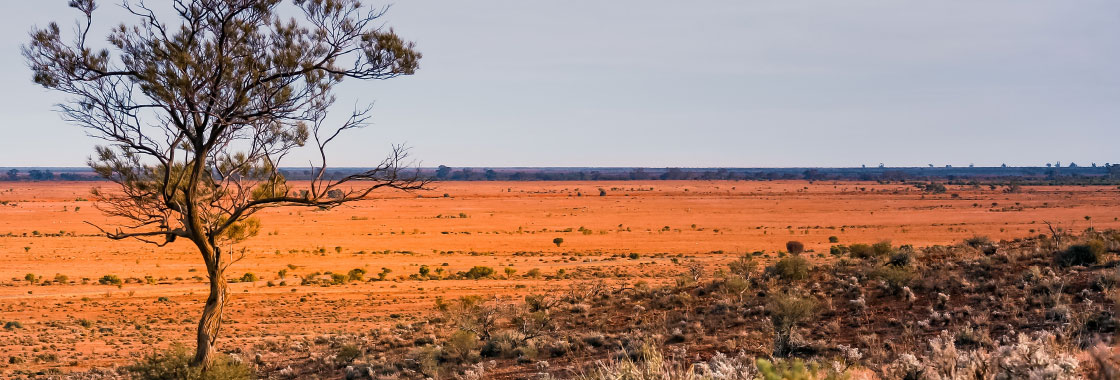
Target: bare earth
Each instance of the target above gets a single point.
(82, 324)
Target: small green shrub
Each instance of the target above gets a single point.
(883, 248)
(249, 277)
(461, 345)
(796, 369)
(833, 239)
(478, 272)
(1090, 253)
(861, 251)
(786, 312)
(356, 274)
(895, 277)
(743, 266)
(348, 353)
(792, 268)
(110, 279)
(339, 278)
(174, 364)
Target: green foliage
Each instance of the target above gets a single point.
(796, 369)
(339, 278)
(792, 268)
(478, 272)
(895, 277)
(534, 273)
(861, 251)
(461, 344)
(348, 353)
(833, 239)
(356, 274)
(743, 266)
(786, 312)
(31, 278)
(174, 364)
(110, 279)
(249, 277)
(882, 249)
(1090, 253)
(558, 241)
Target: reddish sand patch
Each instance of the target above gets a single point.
(43, 232)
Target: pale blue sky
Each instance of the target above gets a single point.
(736, 83)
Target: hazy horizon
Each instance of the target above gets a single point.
(727, 84)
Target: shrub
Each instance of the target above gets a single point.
(110, 279)
(12, 325)
(348, 353)
(901, 259)
(882, 249)
(61, 278)
(174, 364)
(833, 239)
(558, 241)
(795, 247)
(634, 256)
(894, 276)
(743, 266)
(1025, 357)
(534, 273)
(861, 251)
(978, 241)
(461, 344)
(1082, 254)
(478, 272)
(792, 268)
(796, 369)
(786, 312)
(249, 277)
(339, 278)
(356, 274)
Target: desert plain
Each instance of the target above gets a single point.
(52, 257)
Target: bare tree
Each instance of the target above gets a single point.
(197, 111)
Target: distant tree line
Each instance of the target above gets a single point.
(1052, 174)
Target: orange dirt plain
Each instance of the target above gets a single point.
(81, 324)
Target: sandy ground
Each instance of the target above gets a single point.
(43, 231)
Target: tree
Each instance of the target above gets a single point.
(558, 241)
(443, 172)
(13, 175)
(197, 107)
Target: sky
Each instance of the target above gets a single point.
(735, 83)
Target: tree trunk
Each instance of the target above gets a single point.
(211, 321)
